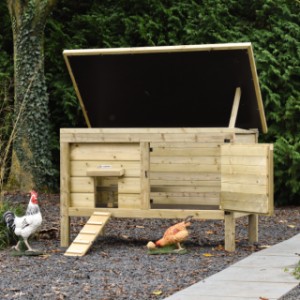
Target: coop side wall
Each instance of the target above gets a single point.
(184, 164)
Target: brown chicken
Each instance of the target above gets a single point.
(173, 235)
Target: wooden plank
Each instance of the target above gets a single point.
(245, 160)
(246, 150)
(246, 138)
(254, 189)
(197, 145)
(105, 151)
(235, 107)
(186, 189)
(105, 171)
(82, 200)
(94, 137)
(257, 90)
(88, 234)
(151, 213)
(180, 176)
(199, 183)
(159, 49)
(145, 171)
(205, 160)
(202, 199)
(185, 168)
(154, 130)
(185, 152)
(271, 180)
(65, 194)
(242, 169)
(82, 185)
(129, 185)
(254, 203)
(129, 201)
(78, 168)
(245, 179)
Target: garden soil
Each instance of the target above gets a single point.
(118, 265)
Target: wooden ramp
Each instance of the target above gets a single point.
(88, 234)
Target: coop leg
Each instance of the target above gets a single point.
(229, 231)
(253, 228)
(65, 231)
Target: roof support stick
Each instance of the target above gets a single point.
(235, 107)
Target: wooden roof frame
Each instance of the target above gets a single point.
(173, 49)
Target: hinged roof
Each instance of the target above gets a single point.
(173, 86)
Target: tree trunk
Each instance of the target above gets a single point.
(31, 156)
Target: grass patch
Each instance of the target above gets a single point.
(7, 237)
(296, 272)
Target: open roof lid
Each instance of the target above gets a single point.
(173, 86)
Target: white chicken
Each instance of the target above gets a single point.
(27, 225)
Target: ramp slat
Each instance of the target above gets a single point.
(88, 234)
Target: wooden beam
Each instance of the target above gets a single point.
(149, 213)
(229, 231)
(253, 228)
(235, 107)
(145, 175)
(65, 194)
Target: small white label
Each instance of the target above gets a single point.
(105, 167)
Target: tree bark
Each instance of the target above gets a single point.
(31, 166)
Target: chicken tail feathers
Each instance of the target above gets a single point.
(9, 218)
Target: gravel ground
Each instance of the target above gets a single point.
(118, 266)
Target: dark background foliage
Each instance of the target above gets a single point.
(271, 25)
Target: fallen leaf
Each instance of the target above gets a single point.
(291, 226)
(219, 248)
(209, 232)
(263, 298)
(139, 226)
(157, 292)
(207, 254)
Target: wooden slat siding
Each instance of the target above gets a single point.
(129, 186)
(82, 200)
(78, 168)
(104, 151)
(185, 176)
(131, 201)
(86, 189)
(246, 179)
(200, 199)
(82, 184)
(185, 160)
(198, 183)
(186, 170)
(239, 163)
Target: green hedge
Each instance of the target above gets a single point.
(271, 25)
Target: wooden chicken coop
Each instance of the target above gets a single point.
(172, 132)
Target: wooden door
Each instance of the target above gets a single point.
(247, 178)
